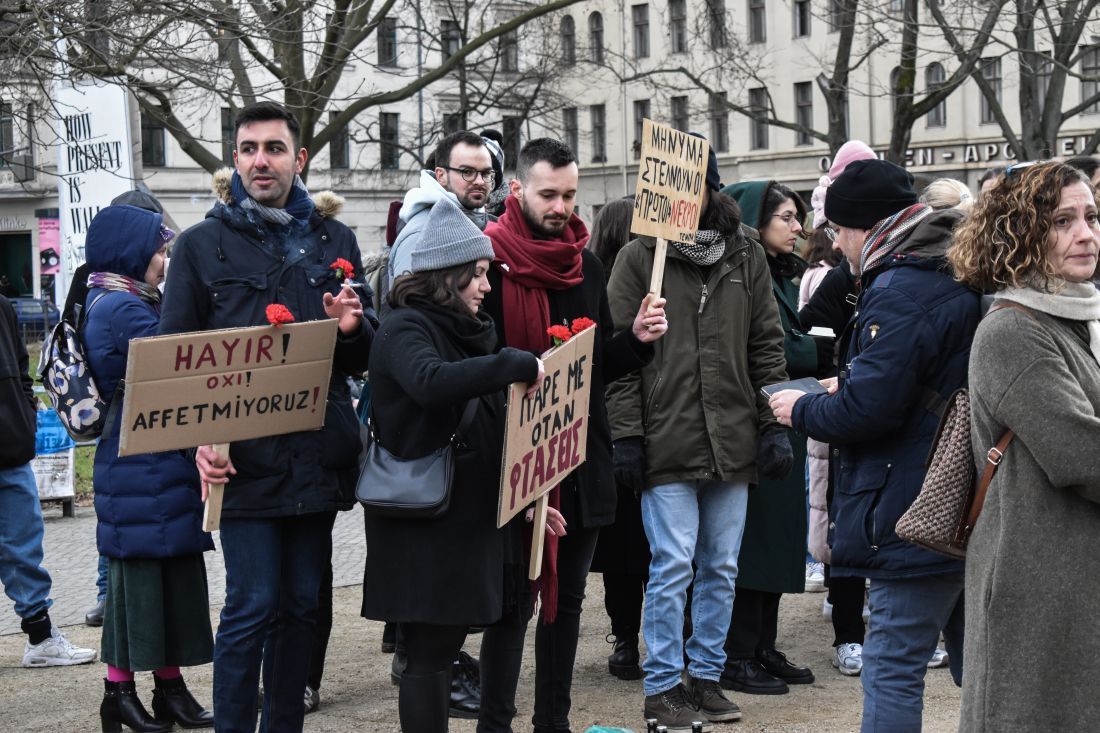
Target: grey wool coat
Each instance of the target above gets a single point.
(1032, 569)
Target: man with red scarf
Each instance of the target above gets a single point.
(543, 275)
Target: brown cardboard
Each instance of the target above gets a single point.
(672, 180)
(211, 387)
(546, 437)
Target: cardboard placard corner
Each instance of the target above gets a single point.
(672, 180)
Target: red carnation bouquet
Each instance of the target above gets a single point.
(561, 333)
(344, 269)
(579, 324)
(278, 314)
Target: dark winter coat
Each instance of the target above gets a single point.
(427, 363)
(588, 495)
(18, 421)
(908, 339)
(224, 272)
(149, 505)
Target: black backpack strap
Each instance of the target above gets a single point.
(114, 406)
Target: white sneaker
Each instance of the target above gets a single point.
(815, 577)
(849, 659)
(827, 609)
(939, 659)
(56, 651)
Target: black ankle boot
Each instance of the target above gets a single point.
(121, 706)
(174, 703)
(623, 662)
(423, 701)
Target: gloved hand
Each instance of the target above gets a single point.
(774, 457)
(628, 456)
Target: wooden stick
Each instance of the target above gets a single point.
(212, 514)
(657, 277)
(538, 536)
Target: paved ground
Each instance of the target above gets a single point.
(357, 694)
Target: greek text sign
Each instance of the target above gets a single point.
(210, 387)
(546, 435)
(672, 179)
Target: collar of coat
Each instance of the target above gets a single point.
(327, 204)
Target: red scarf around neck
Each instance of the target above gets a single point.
(529, 267)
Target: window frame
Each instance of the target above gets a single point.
(639, 17)
(804, 112)
(387, 40)
(389, 153)
(985, 109)
(758, 21)
(759, 137)
(937, 116)
(677, 26)
(152, 156)
(598, 114)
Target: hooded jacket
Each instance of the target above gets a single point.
(149, 505)
(907, 343)
(18, 422)
(224, 274)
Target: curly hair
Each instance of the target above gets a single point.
(1003, 243)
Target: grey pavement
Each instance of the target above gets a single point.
(71, 560)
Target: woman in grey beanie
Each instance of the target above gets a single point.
(435, 353)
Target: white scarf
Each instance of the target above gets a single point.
(1073, 301)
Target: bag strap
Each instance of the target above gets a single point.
(463, 423)
(992, 462)
(115, 406)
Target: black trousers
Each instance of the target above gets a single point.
(753, 625)
(623, 597)
(321, 631)
(556, 643)
(846, 595)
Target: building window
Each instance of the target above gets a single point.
(716, 19)
(595, 39)
(758, 104)
(934, 78)
(152, 142)
(680, 119)
(1090, 77)
(599, 133)
(512, 129)
(836, 15)
(802, 15)
(719, 123)
(991, 71)
(640, 14)
(509, 52)
(450, 34)
(569, 129)
(896, 6)
(641, 112)
(229, 142)
(339, 148)
(568, 41)
(804, 112)
(7, 133)
(677, 25)
(453, 123)
(758, 22)
(387, 42)
(1043, 71)
(390, 158)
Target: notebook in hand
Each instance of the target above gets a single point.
(809, 385)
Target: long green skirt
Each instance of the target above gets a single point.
(157, 614)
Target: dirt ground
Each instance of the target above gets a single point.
(357, 694)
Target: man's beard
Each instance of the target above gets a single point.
(468, 203)
(538, 226)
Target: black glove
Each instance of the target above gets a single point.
(774, 457)
(628, 455)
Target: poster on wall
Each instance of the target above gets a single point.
(49, 254)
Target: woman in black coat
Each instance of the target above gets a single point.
(434, 353)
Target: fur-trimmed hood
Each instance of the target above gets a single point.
(327, 203)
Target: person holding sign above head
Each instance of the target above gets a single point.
(156, 615)
(692, 432)
(544, 276)
(268, 242)
(435, 361)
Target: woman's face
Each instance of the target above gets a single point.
(154, 273)
(1074, 236)
(475, 290)
(780, 234)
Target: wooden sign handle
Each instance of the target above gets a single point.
(657, 277)
(538, 536)
(212, 514)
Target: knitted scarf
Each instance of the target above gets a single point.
(124, 284)
(299, 206)
(888, 234)
(1072, 301)
(529, 267)
(708, 247)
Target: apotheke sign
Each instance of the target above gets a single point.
(993, 153)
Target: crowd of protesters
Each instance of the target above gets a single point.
(707, 494)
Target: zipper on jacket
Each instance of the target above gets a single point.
(703, 298)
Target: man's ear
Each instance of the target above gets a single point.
(515, 188)
(300, 162)
(441, 176)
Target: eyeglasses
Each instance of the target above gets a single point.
(470, 174)
(831, 233)
(1017, 167)
(788, 218)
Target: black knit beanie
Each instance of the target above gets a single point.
(714, 179)
(867, 192)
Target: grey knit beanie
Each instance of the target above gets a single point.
(448, 239)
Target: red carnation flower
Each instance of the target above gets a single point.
(278, 314)
(579, 324)
(560, 334)
(343, 268)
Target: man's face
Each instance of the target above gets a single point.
(468, 161)
(850, 242)
(547, 198)
(267, 162)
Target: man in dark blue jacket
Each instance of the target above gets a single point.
(268, 242)
(907, 348)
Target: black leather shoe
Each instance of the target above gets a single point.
(777, 664)
(174, 703)
(465, 688)
(746, 675)
(121, 706)
(623, 661)
(94, 616)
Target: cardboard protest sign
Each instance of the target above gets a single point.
(546, 436)
(209, 387)
(672, 180)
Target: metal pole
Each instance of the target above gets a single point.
(622, 89)
(420, 93)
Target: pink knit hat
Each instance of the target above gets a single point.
(850, 151)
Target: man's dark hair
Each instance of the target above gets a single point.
(992, 173)
(1084, 163)
(442, 287)
(264, 111)
(441, 156)
(723, 214)
(554, 152)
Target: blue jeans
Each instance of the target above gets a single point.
(101, 580)
(26, 582)
(273, 571)
(701, 521)
(906, 618)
